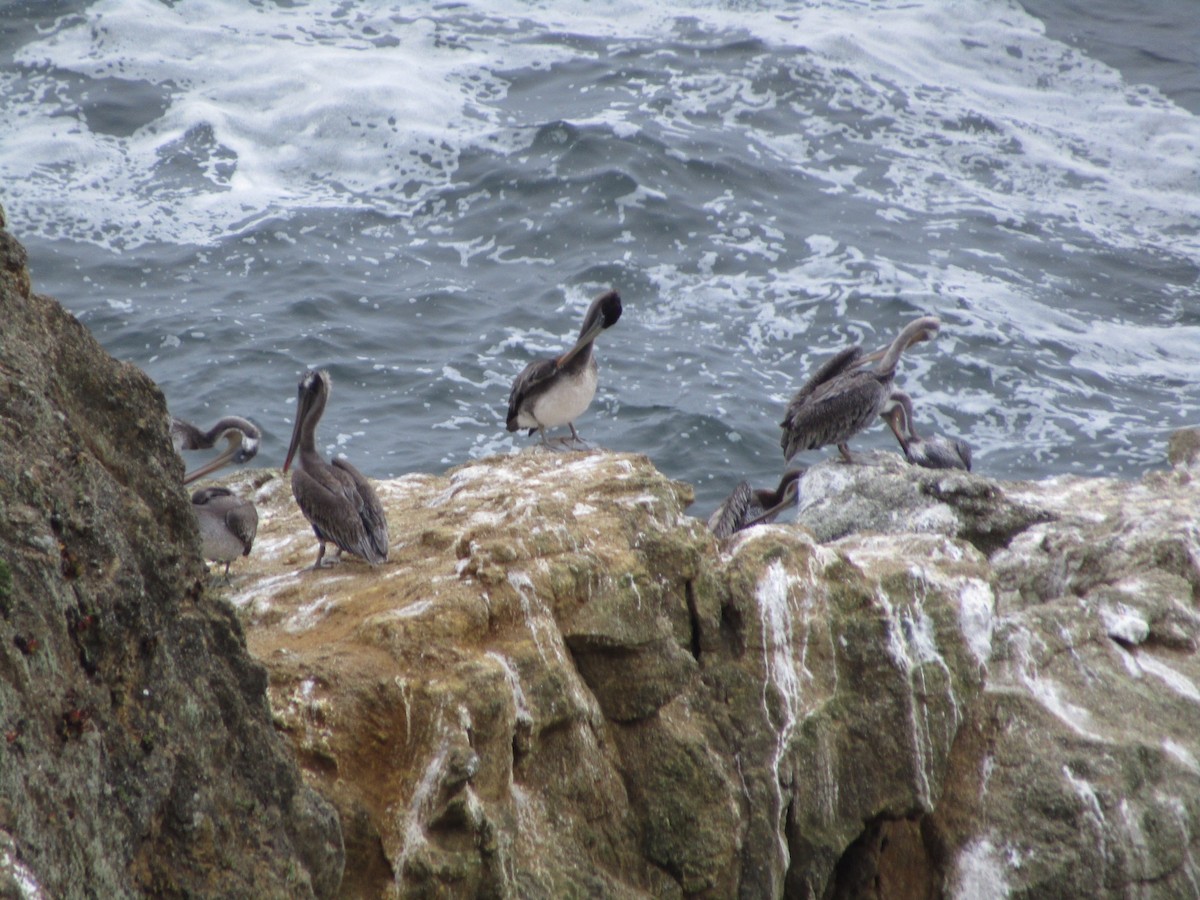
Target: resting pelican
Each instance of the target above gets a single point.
(555, 391)
(746, 507)
(846, 394)
(933, 452)
(335, 497)
(227, 524)
(242, 436)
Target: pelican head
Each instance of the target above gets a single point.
(242, 439)
(603, 313)
(784, 496)
(898, 414)
(311, 395)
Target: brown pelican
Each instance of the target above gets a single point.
(555, 391)
(746, 507)
(932, 452)
(241, 434)
(335, 497)
(846, 394)
(227, 524)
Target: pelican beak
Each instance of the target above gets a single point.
(603, 313)
(229, 454)
(791, 494)
(893, 420)
(788, 500)
(295, 442)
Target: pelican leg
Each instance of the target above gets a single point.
(320, 556)
(844, 449)
(575, 435)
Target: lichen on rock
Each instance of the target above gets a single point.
(139, 756)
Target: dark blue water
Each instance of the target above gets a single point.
(422, 197)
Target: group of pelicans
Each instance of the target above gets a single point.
(843, 397)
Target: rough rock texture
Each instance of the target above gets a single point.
(138, 753)
(560, 685)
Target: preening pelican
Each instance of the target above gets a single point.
(336, 499)
(227, 524)
(241, 434)
(746, 506)
(933, 452)
(846, 394)
(553, 392)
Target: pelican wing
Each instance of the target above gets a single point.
(243, 523)
(733, 512)
(330, 499)
(940, 453)
(371, 510)
(834, 412)
(526, 385)
(828, 373)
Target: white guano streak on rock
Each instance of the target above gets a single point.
(779, 664)
(414, 833)
(546, 636)
(1093, 814)
(523, 585)
(24, 878)
(912, 646)
(1180, 814)
(1045, 691)
(520, 703)
(1177, 681)
(1184, 756)
(980, 873)
(309, 615)
(976, 617)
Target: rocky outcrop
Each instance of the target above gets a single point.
(561, 685)
(138, 755)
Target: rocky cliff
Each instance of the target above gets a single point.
(559, 685)
(138, 755)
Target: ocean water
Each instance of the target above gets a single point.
(422, 197)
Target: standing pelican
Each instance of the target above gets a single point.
(227, 524)
(241, 434)
(934, 452)
(335, 497)
(846, 394)
(746, 507)
(555, 391)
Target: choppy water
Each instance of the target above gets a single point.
(423, 196)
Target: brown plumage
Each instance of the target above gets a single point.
(846, 394)
(337, 500)
(553, 392)
(241, 434)
(227, 524)
(746, 506)
(934, 452)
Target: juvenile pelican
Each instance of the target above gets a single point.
(746, 506)
(241, 434)
(335, 497)
(933, 452)
(555, 391)
(227, 524)
(846, 394)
